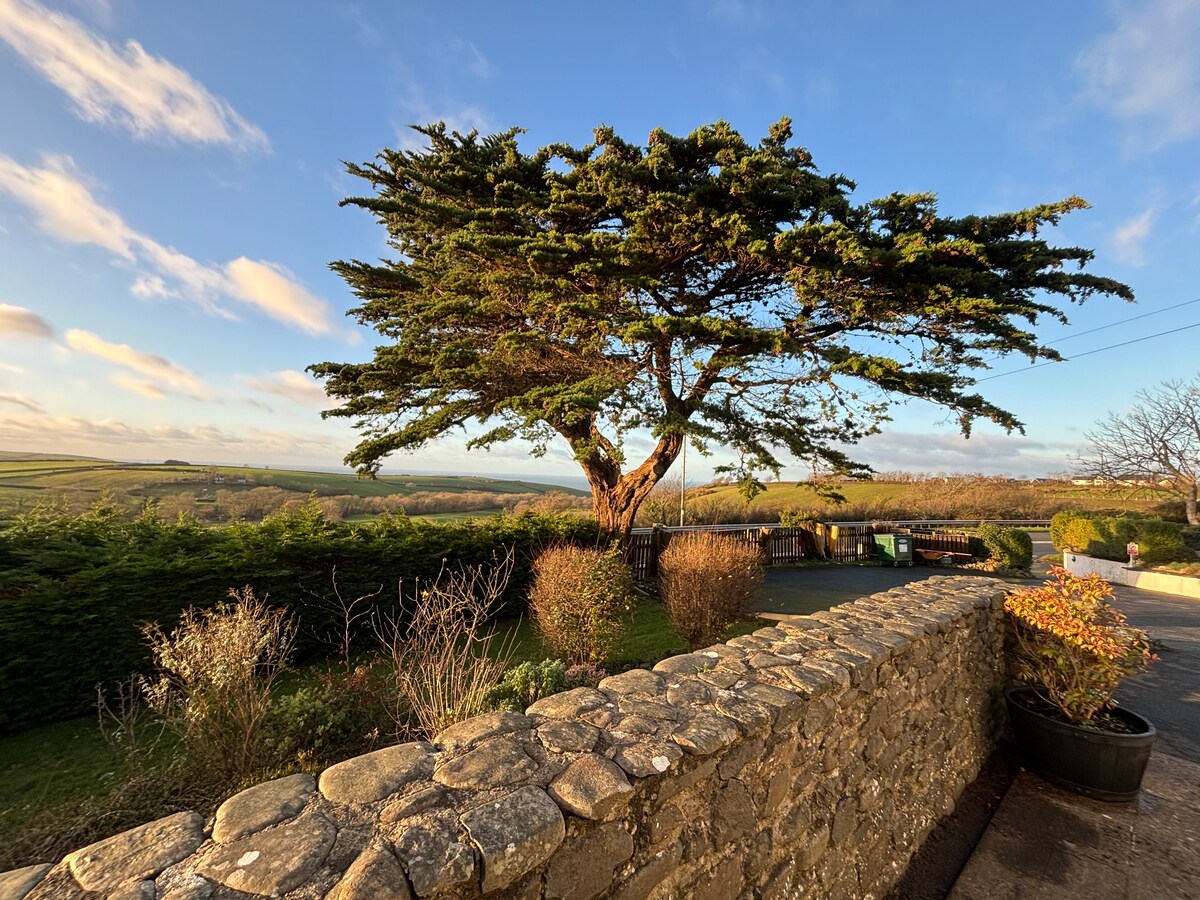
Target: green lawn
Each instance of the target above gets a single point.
(648, 639)
(51, 768)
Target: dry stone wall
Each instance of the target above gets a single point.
(805, 760)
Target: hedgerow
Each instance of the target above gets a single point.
(1108, 537)
(76, 590)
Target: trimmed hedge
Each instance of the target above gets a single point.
(1011, 547)
(76, 590)
(1106, 537)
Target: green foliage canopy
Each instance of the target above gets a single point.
(698, 287)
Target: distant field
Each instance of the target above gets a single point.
(956, 498)
(26, 479)
(213, 492)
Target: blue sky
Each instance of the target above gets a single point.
(169, 178)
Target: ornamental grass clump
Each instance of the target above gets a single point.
(706, 581)
(1073, 645)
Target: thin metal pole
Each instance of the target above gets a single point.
(683, 456)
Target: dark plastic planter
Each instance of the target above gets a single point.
(1100, 764)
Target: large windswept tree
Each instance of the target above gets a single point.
(698, 287)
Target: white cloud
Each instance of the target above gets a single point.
(291, 385)
(19, 400)
(63, 207)
(126, 86)
(950, 452)
(9, 367)
(17, 320)
(1146, 70)
(94, 437)
(273, 289)
(139, 386)
(159, 374)
(1129, 238)
(421, 110)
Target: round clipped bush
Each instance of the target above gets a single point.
(1010, 548)
(706, 581)
(1161, 542)
(580, 601)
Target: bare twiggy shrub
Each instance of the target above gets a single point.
(442, 652)
(706, 581)
(580, 601)
(128, 724)
(215, 672)
(349, 613)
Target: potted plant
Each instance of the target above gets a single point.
(1073, 649)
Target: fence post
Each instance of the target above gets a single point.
(655, 549)
(764, 545)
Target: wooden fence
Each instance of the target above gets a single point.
(942, 541)
(782, 545)
(779, 544)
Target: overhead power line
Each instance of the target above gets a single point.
(1052, 362)
(1146, 315)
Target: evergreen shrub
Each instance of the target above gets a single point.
(1107, 537)
(525, 684)
(1012, 548)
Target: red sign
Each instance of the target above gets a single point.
(1131, 548)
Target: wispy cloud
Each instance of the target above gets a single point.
(139, 386)
(19, 321)
(420, 108)
(1129, 238)
(1146, 70)
(291, 385)
(273, 289)
(740, 12)
(63, 207)
(20, 400)
(367, 31)
(125, 86)
(473, 59)
(158, 373)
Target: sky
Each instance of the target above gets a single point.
(170, 177)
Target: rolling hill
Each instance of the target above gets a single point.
(28, 478)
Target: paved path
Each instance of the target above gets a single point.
(799, 591)
(1049, 844)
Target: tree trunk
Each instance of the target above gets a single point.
(616, 498)
(1189, 505)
